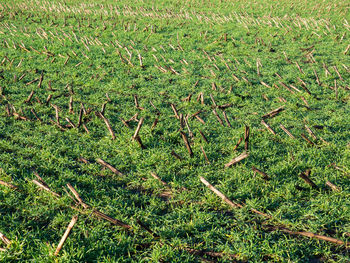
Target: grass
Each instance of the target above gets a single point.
(221, 48)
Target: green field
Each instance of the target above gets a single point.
(176, 131)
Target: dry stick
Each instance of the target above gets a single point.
(338, 168)
(36, 116)
(96, 212)
(305, 88)
(80, 117)
(31, 82)
(8, 185)
(77, 196)
(266, 85)
(200, 119)
(136, 134)
(71, 105)
(184, 137)
(212, 99)
(237, 159)
(332, 186)
(307, 180)
(136, 101)
(237, 144)
(138, 139)
(246, 137)
(347, 49)
(176, 155)
(224, 106)
(312, 235)
(305, 102)
(110, 167)
(306, 139)
(310, 132)
(286, 131)
(70, 122)
(317, 78)
(203, 136)
(285, 86)
(158, 178)
(83, 107)
(29, 97)
(48, 99)
(298, 66)
(264, 175)
(64, 237)
(188, 98)
(109, 127)
(221, 195)
(326, 71)
(295, 88)
(190, 133)
(336, 89)
(82, 159)
(280, 228)
(154, 123)
(158, 112)
(5, 239)
(268, 127)
(273, 112)
(205, 155)
(175, 111)
(302, 82)
(41, 80)
(336, 70)
(57, 115)
(45, 187)
(218, 117)
(39, 178)
(226, 119)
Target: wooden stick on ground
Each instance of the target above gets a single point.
(45, 187)
(238, 143)
(273, 112)
(65, 236)
(4, 239)
(110, 167)
(286, 131)
(306, 178)
(264, 175)
(268, 127)
(175, 111)
(158, 178)
(8, 185)
(306, 139)
(221, 195)
(205, 155)
(29, 97)
(281, 228)
(246, 137)
(310, 132)
(188, 146)
(96, 212)
(237, 159)
(203, 136)
(109, 127)
(138, 128)
(333, 186)
(226, 119)
(218, 117)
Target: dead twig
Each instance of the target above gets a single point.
(66, 234)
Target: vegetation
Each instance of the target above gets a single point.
(130, 121)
